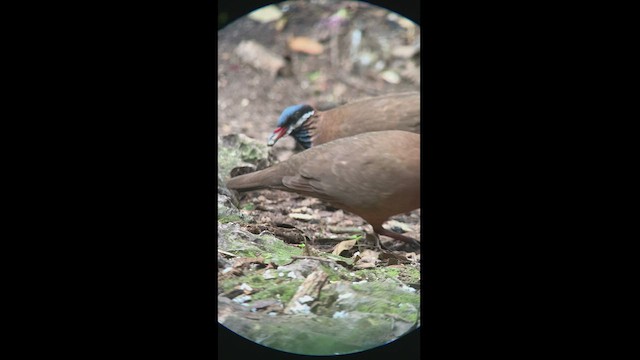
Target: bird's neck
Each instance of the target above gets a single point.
(305, 134)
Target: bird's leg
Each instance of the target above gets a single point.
(379, 242)
(382, 231)
(376, 240)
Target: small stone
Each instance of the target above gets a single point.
(242, 299)
(305, 299)
(269, 274)
(260, 57)
(340, 315)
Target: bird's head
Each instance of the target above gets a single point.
(291, 122)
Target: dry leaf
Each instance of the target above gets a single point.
(368, 259)
(405, 52)
(391, 77)
(266, 14)
(392, 258)
(281, 24)
(305, 45)
(343, 245)
(364, 265)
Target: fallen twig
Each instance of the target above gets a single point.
(312, 258)
(227, 253)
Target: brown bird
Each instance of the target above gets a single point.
(374, 175)
(311, 127)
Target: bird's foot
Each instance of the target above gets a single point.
(394, 235)
(377, 244)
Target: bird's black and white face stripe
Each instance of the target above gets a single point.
(294, 116)
(292, 121)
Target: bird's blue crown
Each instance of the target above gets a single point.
(286, 114)
(293, 119)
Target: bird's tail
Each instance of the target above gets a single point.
(267, 178)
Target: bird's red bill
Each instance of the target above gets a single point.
(277, 134)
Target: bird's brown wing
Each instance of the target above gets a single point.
(374, 175)
(391, 112)
(353, 173)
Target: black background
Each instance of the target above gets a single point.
(119, 179)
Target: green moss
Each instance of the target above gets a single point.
(248, 206)
(283, 290)
(251, 153)
(277, 251)
(230, 218)
(228, 284)
(392, 272)
(239, 150)
(247, 253)
(327, 299)
(406, 274)
(387, 299)
(263, 288)
(339, 258)
(313, 76)
(409, 275)
(312, 343)
(230, 214)
(256, 280)
(333, 275)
